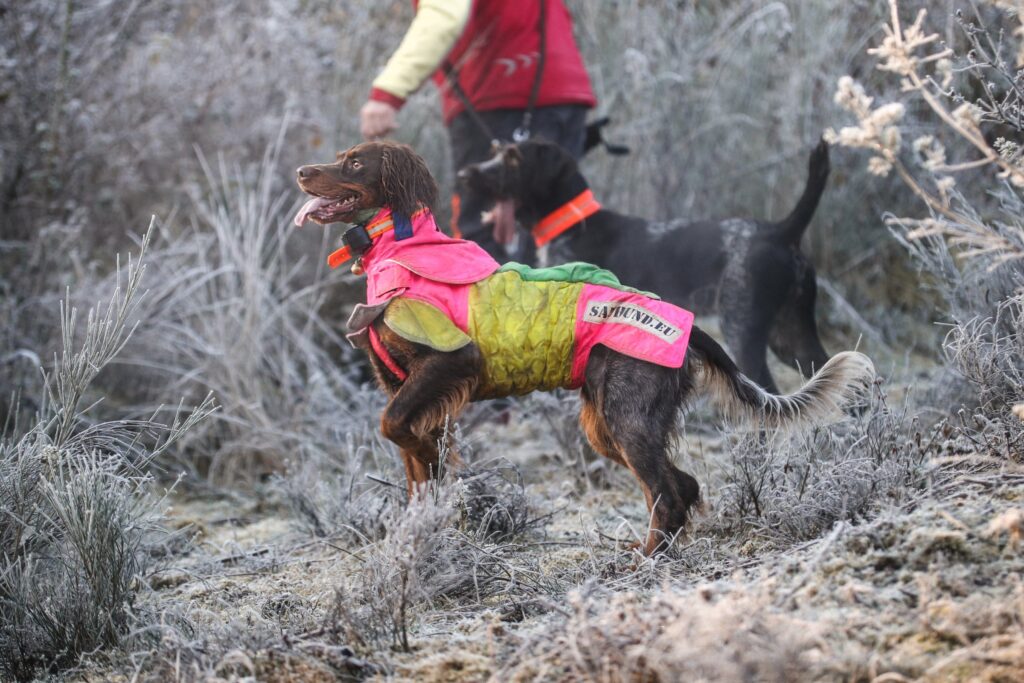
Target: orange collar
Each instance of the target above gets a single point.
(374, 228)
(564, 217)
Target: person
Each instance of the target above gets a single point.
(502, 66)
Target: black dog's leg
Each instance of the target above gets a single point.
(746, 333)
(794, 337)
(638, 402)
(752, 292)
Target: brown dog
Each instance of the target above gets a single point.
(629, 405)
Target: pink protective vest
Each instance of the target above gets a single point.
(437, 269)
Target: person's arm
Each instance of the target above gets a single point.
(433, 32)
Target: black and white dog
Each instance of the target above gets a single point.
(752, 271)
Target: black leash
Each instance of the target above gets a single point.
(453, 84)
(523, 131)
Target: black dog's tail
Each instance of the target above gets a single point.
(844, 377)
(791, 229)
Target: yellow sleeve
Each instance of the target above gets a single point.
(433, 32)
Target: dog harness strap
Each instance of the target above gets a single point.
(564, 217)
(385, 357)
(375, 229)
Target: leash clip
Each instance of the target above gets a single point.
(522, 133)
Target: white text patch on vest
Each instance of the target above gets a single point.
(629, 314)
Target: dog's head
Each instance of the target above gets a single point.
(500, 177)
(537, 174)
(370, 175)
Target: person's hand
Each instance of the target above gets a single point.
(377, 119)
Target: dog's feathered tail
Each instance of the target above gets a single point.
(844, 377)
(790, 229)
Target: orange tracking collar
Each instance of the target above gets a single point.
(564, 217)
(374, 228)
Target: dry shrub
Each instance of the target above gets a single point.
(692, 636)
(76, 515)
(334, 504)
(423, 560)
(989, 353)
(491, 501)
(965, 168)
(184, 650)
(106, 102)
(69, 578)
(454, 541)
(412, 565)
(796, 484)
(329, 495)
(327, 499)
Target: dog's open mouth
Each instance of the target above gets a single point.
(326, 210)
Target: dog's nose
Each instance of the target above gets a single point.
(306, 171)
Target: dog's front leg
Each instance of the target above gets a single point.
(417, 470)
(438, 387)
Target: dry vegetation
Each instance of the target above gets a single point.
(193, 486)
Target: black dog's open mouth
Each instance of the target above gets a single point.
(326, 210)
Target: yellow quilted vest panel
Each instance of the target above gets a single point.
(525, 332)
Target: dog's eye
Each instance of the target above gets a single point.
(355, 164)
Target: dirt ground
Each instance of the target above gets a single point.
(928, 590)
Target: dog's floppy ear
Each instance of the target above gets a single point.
(549, 170)
(406, 180)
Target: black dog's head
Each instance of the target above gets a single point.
(539, 175)
(369, 175)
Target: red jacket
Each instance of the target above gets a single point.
(496, 58)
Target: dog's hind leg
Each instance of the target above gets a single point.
(596, 429)
(636, 404)
(438, 387)
(749, 303)
(794, 336)
(747, 338)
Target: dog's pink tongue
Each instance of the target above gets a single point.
(504, 217)
(308, 208)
